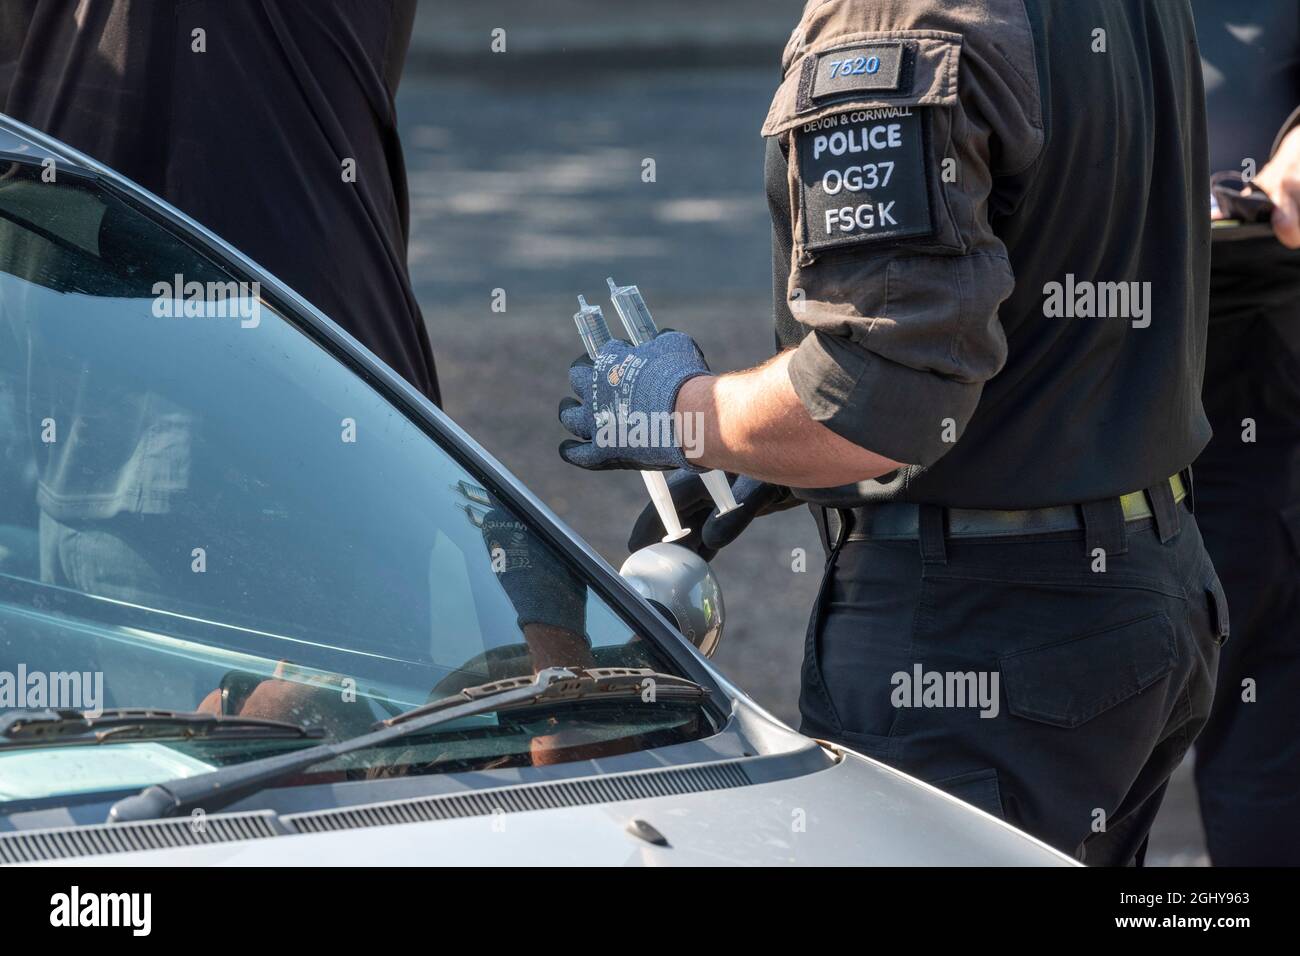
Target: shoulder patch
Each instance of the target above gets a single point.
(863, 176)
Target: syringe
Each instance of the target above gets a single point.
(595, 333)
(631, 308)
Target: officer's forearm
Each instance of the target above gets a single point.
(754, 423)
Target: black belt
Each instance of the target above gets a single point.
(900, 520)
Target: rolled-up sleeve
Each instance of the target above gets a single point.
(896, 274)
(905, 382)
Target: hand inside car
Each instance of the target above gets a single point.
(574, 743)
(306, 701)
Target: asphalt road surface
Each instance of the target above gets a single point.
(530, 190)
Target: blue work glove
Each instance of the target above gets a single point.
(624, 411)
(710, 531)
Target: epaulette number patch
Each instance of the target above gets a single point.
(876, 67)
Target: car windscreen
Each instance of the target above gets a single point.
(203, 508)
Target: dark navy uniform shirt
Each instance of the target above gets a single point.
(991, 235)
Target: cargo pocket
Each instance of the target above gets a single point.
(866, 121)
(1068, 683)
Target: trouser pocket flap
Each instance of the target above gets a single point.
(1068, 683)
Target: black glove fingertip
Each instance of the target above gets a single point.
(566, 446)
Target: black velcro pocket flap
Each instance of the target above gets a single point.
(866, 70)
(1068, 683)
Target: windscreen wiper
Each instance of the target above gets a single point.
(28, 728)
(210, 792)
(622, 683)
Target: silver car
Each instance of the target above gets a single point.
(262, 603)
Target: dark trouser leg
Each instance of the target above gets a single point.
(1248, 502)
(1093, 684)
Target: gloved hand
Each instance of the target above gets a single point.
(624, 415)
(710, 531)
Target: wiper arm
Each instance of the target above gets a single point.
(220, 788)
(603, 682)
(42, 727)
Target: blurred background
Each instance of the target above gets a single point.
(526, 175)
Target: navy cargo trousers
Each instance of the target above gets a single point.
(1017, 675)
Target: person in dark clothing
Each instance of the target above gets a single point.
(271, 122)
(991, 239)
(1248, 479)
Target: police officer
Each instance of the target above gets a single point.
(1248, 479)
(991, 238)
